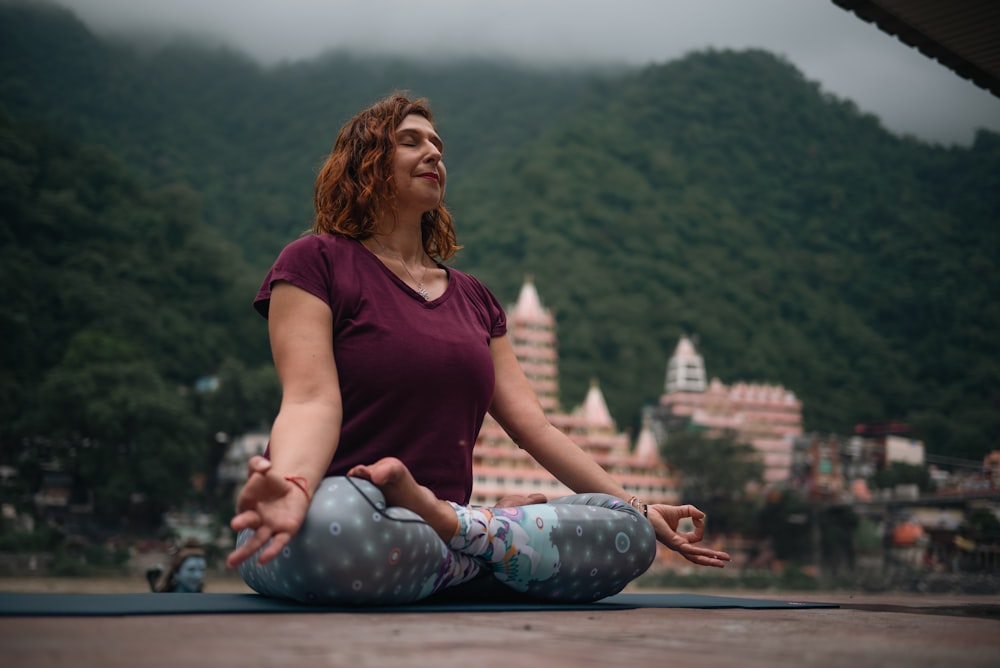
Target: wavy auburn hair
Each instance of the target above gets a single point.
(355, 187)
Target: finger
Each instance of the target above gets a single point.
(702, 560)
(247, 549)
(245, 520)
(275, 547)
(687, 510)
(251, 493)
(695, 536)
(258, 464)
(704, 556)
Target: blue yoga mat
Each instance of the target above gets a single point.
(116, 605)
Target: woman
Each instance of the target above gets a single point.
(388, 362)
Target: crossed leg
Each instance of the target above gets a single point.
(379, 537)
(402, 490)
(580, 547)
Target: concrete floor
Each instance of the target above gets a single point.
(867, 630)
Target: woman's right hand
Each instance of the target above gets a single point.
(270, 505)
(666, 520)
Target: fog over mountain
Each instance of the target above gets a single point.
(851, 59)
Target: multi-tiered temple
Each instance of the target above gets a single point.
(500, 467)
(769, 417)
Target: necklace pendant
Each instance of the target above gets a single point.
(422, 291)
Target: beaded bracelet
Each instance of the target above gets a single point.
(300, 482)
(639, 505)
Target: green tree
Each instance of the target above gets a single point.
(717, 474)
(130, 439)
(245, 398)
(786, 520)
(900, 473)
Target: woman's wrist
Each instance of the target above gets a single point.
(302, 483)
(639, 505)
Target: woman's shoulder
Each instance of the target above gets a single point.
(313, 242)
(324, 265)
(312, 247)
(466, 280)
(474, 288)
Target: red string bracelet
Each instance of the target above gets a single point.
(300, 482)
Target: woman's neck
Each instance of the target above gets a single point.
(400, 240)
(407, 250)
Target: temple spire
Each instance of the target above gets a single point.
(532, 330)
(646, 451)
(529, 305)
(686, 369)
(595, 408)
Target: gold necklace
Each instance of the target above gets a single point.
(421, 290)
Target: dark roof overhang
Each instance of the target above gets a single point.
(962, 35)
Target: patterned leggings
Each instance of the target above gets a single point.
(352, 549)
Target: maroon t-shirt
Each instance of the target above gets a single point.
(416, 377)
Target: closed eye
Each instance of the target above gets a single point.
(408, 138)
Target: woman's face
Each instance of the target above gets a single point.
(418, 170)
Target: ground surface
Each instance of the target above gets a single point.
(868, 630)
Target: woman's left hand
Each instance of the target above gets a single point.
(665, 520)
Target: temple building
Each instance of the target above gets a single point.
(500, 467)
(769, 417)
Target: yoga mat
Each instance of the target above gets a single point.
(117, 605)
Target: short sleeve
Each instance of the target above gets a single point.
(305, 264)
(487, 304)
(498, 324)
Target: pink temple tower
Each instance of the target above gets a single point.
(769, 417)
(500, 467)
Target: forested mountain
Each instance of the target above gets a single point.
(721, 195)
(725, 196)
(250, 139)
(117, 299)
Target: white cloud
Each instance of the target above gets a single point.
(850, 58)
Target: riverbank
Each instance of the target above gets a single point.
(221, 583)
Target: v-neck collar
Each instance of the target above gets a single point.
(431, 303)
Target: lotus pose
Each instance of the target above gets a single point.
(388, 362)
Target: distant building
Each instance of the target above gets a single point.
(500, 467)
(239, 450)
(768, 417)
(991, 467)
(892, 442)
(834, 467)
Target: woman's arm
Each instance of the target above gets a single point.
(305, 432)
(517, 409)
(307, 428)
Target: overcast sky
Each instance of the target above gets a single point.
(848, 57)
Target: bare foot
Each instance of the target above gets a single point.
(512, 500)
(401, 490)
